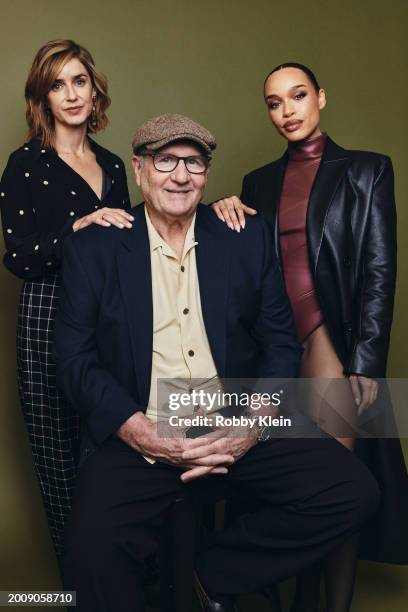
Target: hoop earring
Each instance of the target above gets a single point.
(94, 118)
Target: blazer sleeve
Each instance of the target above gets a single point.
(89, 387)
(369, 357)
(125, 196)
(248, 191)
(30, 252)
(274, 330)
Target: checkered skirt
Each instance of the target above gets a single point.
(52, 426)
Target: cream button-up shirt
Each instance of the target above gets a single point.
(181, 352)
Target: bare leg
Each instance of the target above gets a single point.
(332, 407)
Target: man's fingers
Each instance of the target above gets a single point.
(200, 472)
(204, 450)
(196, 472)
(209, 438)
(216, 459)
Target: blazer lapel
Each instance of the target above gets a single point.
(212, 257)
(269, 197)
(333, 166)
(134, 269)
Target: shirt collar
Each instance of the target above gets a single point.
(156, 241)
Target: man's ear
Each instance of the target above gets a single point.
(137, 163)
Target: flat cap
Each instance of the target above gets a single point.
(164, 129)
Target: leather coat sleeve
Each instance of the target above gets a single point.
(89, 387)
(376, 299)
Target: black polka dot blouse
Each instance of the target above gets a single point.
(41, 197)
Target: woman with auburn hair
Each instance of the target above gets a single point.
(332, 215)
(58, 182)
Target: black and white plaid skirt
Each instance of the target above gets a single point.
(52, 426)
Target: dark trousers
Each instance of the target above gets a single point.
(311, 495)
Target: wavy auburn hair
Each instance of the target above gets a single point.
(46, 66)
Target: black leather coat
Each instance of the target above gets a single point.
(351, 230)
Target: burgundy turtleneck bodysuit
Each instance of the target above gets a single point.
(303, 163)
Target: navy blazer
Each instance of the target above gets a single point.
(104, 327)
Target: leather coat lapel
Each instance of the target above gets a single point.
(212, 257)
(333, 166)
(134, 269)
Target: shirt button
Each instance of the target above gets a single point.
(2, 194)
(71, 214)
(186, 311)
(26, 174)
(14, 254)
(49, 263)
(182, 268)
(96, 206)
(9, 231)
(26, 149)
(48, 165)
(55, 240)
(37, 246)
(116, 165)
(27, 268)
(21, 212)
(191, 353)
(73, 192)
(113, 180)
(42, 150)
(45, 182)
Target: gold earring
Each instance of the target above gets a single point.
(94, 118)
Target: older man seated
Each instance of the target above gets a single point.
(180, 297)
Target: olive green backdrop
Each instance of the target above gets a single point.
(207, 59)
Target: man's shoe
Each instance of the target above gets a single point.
(208, 604)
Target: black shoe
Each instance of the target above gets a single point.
(210, 605)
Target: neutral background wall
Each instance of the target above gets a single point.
(206, 59)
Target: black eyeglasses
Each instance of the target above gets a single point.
(166, 162)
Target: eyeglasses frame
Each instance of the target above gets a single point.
(179, 158)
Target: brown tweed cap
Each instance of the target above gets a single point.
(164, 129)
